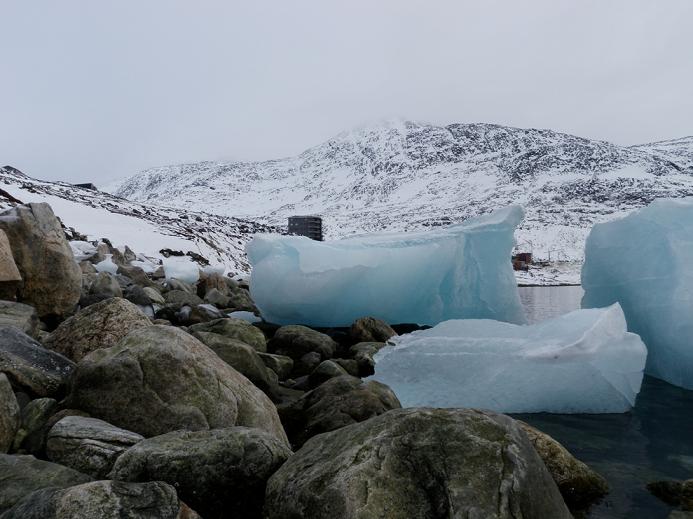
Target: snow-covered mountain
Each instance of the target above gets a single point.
(146, 228)
(402, 175)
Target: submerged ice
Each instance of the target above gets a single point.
(581, 362)
(461, 271)
(645, 262)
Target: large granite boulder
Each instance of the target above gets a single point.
(339, 402)
(10, 278)
(51, 279)
(239, 356)
(30, 367)
(9, 414)
(104, 500)
(234, 329)
(100, 325)
(160, 379)
(370, 329)
(295, 341)
(579, 485)
(417, 463)
(20, 316)
(22, 475)
(219, 473)
(88, 445)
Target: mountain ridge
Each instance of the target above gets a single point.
(403, 175)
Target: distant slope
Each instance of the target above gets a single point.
(403, 175)
(145, 228)
(677, 151)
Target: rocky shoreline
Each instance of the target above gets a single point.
(126, 394)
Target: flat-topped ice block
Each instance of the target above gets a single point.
(645, 262)
(582, 362)
(460, 271)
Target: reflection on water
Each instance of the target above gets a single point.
(546, 302)
(654, 441)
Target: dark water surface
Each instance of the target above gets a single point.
(652, 442)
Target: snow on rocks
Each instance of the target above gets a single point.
(107, 265)
(182, 269)
(582, 362)
(643, 262)
(454, 272)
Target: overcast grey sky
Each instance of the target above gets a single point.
(92, 91)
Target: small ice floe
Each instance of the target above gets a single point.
(82, 250)
(182, 268)
(581, 362)
(246, 316)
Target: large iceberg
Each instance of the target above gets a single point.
(581, 362)
(460, 271)
(645, 262)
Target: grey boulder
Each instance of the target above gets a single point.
(10, 278)
(104, 286)
(160, 379)
(370, 329)
(9, 414)
(234, 329)
(295, 341)
(280, 364)
(239, 356)
(219, 473)
(580, 486)
(88, 445)
(103, 500)
(33, 426)
(51, 279)
(339, 402)
(326, 370)
(363, 353)
(30, 367)
(19, 315)
(417, 463)
(22, 475)
(100, 325)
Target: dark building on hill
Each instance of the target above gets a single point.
(310, 226)
(88, 185)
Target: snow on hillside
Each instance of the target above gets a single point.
(402, 175)
(678, 151)
(145, 228)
